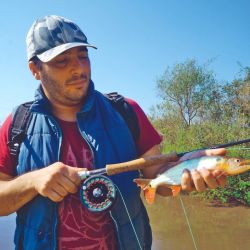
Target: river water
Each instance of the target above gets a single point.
(212, 227)
(7, 227)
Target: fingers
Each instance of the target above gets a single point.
(54, 196)
(56, 181)
(220, 178)
(218, 151)
(186, 181)
(205, 179)
(193, 181)
(71, 174)
(213, 179)
(55, 193)
(201, 180)
(58, 191)
(69, 185)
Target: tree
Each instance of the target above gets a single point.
(237, 99)
(186, 90)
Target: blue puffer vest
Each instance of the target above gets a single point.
(111, 142)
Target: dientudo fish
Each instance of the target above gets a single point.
(172, 176)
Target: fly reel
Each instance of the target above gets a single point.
(97, 193)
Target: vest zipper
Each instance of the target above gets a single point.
(84, 136)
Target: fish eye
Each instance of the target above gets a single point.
(237, 160)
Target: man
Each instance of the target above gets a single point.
(73, 126)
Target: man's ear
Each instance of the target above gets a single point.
(34, 70)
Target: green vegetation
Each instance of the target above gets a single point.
(196, 111)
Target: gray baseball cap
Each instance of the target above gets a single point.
(52, 35)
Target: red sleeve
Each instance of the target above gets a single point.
(149, 137)
(6, 161)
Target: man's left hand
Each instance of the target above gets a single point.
(202, 179)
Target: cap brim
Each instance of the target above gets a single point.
(52, 53)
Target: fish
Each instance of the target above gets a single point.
(172, 176)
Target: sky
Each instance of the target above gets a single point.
(136, 39)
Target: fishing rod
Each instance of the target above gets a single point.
(145, 162)
(225, 145)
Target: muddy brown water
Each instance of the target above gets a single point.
(213, 227)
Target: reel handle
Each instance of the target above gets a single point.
(140, 163)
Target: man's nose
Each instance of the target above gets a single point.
(78, 65)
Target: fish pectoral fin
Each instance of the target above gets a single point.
(142, 183)
(175, 190)
(149, 192)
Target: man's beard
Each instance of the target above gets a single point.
(59, 93)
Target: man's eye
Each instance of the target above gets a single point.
(61, 61)
(83, 57)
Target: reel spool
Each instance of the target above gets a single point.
(97, 193)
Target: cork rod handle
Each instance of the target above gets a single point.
(140, 163)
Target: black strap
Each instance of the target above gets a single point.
(18, 128)
(126, 111)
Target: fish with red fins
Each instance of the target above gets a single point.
(172, 177)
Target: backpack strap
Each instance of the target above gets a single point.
(126, 111)
(18, 128)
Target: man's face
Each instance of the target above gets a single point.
(65, 79)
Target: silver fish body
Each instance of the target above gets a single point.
(173, 175)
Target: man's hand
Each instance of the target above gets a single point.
(56, 181)
(203, 179)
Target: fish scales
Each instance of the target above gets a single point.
(174, 174)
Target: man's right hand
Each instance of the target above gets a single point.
(56, 181)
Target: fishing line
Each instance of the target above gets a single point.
(136, 236)
(187, 220)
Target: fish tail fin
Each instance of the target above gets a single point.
(175, 190)
(149, 192)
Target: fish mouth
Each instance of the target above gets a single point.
(245, 163)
